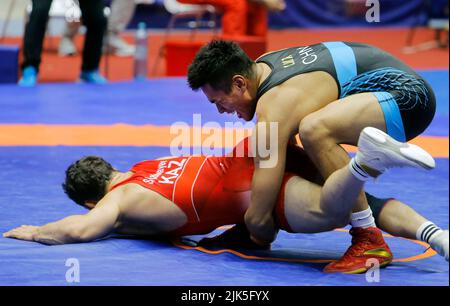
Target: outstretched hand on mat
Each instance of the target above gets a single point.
(24, 232)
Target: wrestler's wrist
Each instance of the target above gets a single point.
(259, 242)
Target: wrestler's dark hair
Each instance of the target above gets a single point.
(86, 179)
(216, 63)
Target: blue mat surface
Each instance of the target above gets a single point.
(30, 193)
(158, 102)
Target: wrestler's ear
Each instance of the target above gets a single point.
(240, 82)
(90, 204)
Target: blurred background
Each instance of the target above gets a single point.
(416, 31)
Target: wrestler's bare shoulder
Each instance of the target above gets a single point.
(299, 95)
(144, 206)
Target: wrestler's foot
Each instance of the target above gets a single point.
(439, 243)
(377, 152)
(367, 243)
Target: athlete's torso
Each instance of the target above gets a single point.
(341, 60)
(210, 191)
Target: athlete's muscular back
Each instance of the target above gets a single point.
(149, 214)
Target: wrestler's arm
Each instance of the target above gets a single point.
(299, 163)
(269, 171)
(77, 228)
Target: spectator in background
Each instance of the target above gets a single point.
(95, 21)
(243, 17)
(121, 13)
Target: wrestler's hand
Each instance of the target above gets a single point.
(24, 232)
(262, 229)
(256, 241)
(237, 237)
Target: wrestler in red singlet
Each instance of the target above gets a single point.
(212, 191)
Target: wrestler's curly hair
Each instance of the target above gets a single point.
(86, 179)
(216, 63)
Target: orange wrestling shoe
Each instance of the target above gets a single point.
(367, 243)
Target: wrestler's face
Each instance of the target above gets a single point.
(238, 100)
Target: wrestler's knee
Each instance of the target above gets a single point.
(314, 130)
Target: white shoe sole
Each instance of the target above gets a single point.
(416, 156)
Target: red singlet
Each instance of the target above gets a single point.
(211, 191)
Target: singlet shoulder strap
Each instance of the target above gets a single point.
(272, 59)
(265, 86)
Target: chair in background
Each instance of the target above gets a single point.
(199, 16)
(197, 12)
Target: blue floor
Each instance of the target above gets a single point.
(158, 102)
(30, 193)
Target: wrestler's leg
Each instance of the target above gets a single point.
(391, 215)
(321, 133)
(310, 208)
(398, 219)
(340, 122)
(395, 217)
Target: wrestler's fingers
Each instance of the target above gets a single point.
(10, 232)
(22, 235)
(24, 232)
